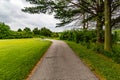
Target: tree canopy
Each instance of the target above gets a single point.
(68, 11)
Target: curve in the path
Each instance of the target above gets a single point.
(60, 63)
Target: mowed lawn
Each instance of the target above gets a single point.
(18, 57)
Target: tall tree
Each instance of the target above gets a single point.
(68, 11)
(108, 41)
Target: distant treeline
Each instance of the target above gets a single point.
(7, 33)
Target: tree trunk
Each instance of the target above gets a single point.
(99, 27)
(84, 24)
(108, 41)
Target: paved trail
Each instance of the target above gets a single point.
(60, 63)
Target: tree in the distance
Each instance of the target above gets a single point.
(27, 29)
(36, 31)
(4, 31)
(45, 32)
(19, 30)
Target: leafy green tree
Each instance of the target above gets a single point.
(36, 31)
(26, 29)
(19, 30)
(79, 36)
(4, 31)
(45, 32)
(55, 34)
(27, 32)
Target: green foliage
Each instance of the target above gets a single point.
(99, 48)
(6, 33)
(19, 35)
(36, 31)
(18, 57)
(68, 35)
(4, 30)
(27, 29)
(82, 36)
(115, 37)
(103, 66)
(69, 10)
(117, 31)
(55, 35)
(116, 53)
(45, 32)
(19, 30)
(87, 38)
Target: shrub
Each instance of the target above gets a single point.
(115, 37)
(116, 53)
(68, 35)
(79, 36)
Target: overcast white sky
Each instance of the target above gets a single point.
(11, 14)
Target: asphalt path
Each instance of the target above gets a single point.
(61, 63)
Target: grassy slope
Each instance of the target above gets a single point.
(18, 57)
(105, 67)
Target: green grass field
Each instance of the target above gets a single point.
(106, 68)
(18, 57)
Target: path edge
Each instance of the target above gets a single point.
(39, 62)
(86, 64)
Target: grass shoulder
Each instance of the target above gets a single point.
(104, 67)
(19, 56)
